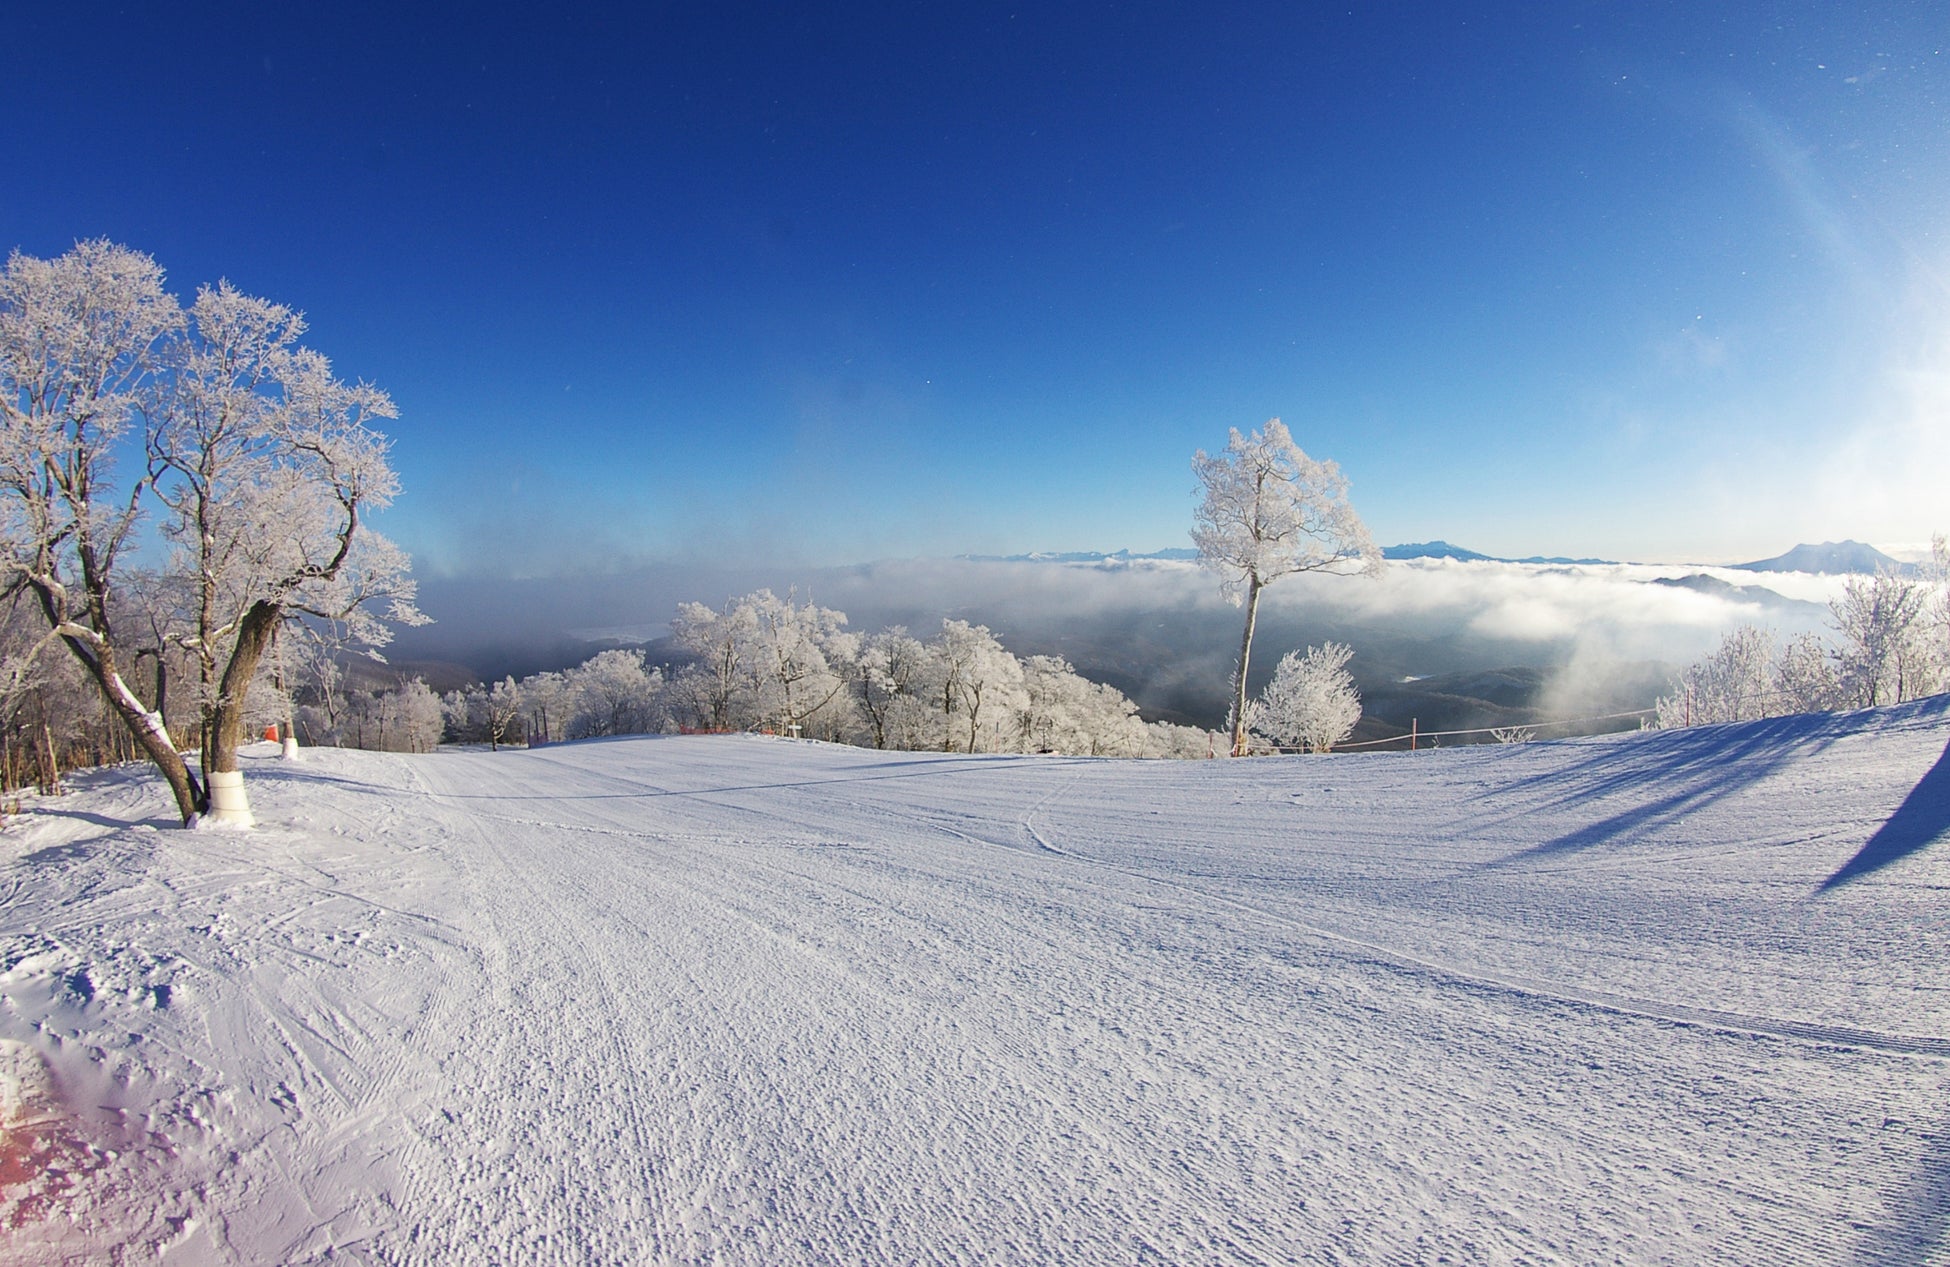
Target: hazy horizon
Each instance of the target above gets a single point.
(1595, 637)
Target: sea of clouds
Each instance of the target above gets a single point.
(1164, 631)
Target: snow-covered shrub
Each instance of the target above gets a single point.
(1311, 702)
(1182, 743)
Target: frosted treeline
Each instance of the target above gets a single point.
(764, 662)
(1889, 641)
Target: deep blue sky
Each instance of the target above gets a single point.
(831, 283)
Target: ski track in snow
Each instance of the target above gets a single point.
(734, 1000)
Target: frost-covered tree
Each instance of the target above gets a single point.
(1937, 614)
(960, 691)
(887, 681)
(80, 339)
(1885, 652)
(1060, 711)
(978, 684)
(148, 611)
(1111, 726)
(492, 713)
(501, 712)
(614, 694)
(266, 463)
(404, 717)
(795, 650)
(1888, 652)
(269, 704)
(1735, 683)
(1179, 743)
(47, 702)
(549, 703)
(206, 412)
(913, 724)
(718, 688)
(763, 660)
(1311, 702)
(262, 463)
(1051, 717)
(1270, 511)
(1804, 676)
(420, 716)
(313, 652)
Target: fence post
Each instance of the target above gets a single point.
(1414, 726)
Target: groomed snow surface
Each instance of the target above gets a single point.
(1666, 998)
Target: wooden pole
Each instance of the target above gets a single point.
(1414, 727)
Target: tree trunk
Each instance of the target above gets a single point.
(161, 653)
(1245, 657)
(254, 634)
(51, 784)
(220, 769)
(146, 728)
(92, 648)
(287, 723)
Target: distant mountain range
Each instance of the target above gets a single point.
(1832, 558)
(1422, 550)
(1777, 603)
(1083, 556)
(1443, 550)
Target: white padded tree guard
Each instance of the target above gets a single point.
(227, 802)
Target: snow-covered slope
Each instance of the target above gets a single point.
(1676, 997)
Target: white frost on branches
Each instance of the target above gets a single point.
(1270, 511)
(1891, 643)
(762, 662)
(1311, 702)
(261, 461)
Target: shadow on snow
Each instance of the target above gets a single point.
(1922, 818)
(1705, 764)
(1920, 1213)
(1702, 765)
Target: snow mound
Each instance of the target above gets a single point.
(1666, 997)
(26, 1090)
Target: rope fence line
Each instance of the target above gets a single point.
(1414, 735)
